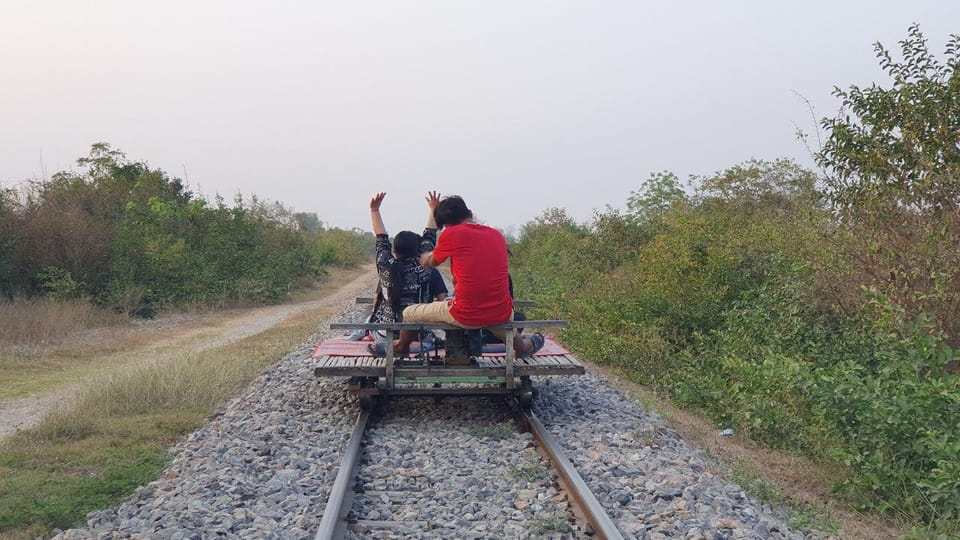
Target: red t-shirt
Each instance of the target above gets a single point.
(480, 274)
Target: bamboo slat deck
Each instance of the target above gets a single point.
(486, 366)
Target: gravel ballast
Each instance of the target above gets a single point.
(263, 468)
(653, 483)
(456, 468)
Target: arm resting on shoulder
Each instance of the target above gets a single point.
(426, 259)
(429, 240)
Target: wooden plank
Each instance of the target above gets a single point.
(510, 325)
(390, 366)
(361, 524)
(340, 371)
(549, 370)
(510, 358)
(516, 303)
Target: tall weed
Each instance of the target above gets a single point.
(41, 322)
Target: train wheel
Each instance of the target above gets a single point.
(367, 402)
(525, 399)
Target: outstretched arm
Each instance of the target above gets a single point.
(429, 239)
(433, 199)
(375, 202)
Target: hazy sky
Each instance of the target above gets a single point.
(518, 106)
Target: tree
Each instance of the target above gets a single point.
(655, 196)
(898, 147)
(8, 241)
(102, 160)
(893, 164)
(308, 221)
(551, 219)
(782, 183)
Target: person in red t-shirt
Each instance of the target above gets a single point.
(478, 262)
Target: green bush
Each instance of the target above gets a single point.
(135, 239)
(896, 410)
(892, 160)
(58, 284)
(724, 302)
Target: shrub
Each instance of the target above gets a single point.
(829, 332)
(895, 411)
(132, 238)
(893, 156)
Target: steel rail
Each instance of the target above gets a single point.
(333, 523)
(594, 513)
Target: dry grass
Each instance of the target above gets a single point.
(136, 411)
(37, 323)
(23, 534)
(190, 384)
(178, 383)
(37, 370)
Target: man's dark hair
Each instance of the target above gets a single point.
(406, 244)
(451, 211)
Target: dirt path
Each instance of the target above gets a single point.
(190, 335)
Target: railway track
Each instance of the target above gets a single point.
(340, 517)
(264, 468)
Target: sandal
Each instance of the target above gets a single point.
(357, 335)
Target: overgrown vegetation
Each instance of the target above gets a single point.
(817, 313)
(95, 452)
(131, 238)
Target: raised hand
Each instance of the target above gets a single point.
(433, 199)
(376, 201)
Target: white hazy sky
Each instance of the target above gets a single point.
(516, 106)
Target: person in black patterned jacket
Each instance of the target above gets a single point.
(403, 281)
